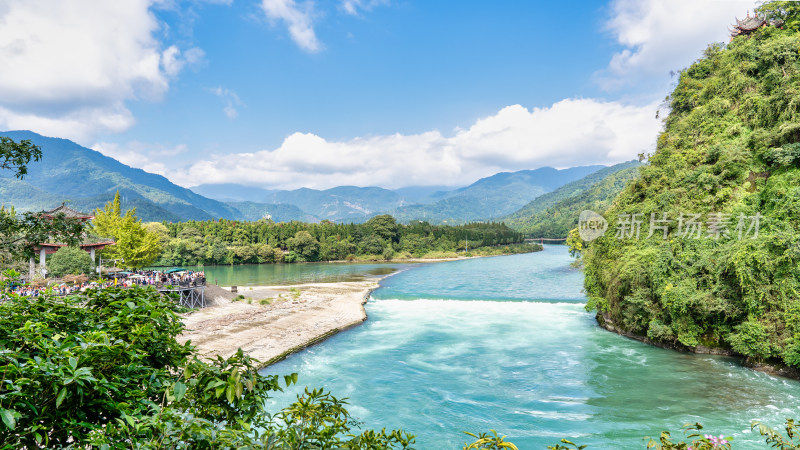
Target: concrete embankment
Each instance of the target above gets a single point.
(272, 322)
(605, 321)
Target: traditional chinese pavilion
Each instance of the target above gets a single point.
(749, 24)
(48, 248)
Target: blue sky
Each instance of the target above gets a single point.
(291, 93)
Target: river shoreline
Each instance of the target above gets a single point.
(605, 322)
(273, 322)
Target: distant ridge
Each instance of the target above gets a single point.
(492, 197)
(552, 215)
(88, 179)
(70, 172)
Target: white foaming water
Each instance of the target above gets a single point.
(536, 371)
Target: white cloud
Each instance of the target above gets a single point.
(660, 36)
(229, 99)
(144, 156)
(70, 65)
(569, 133)
(352, 7)
(298, 19)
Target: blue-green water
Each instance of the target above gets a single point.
(276, 274)
(504, 343)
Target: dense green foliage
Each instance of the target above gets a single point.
(135, 246)
(233, 242)
(69, 261)
(106, 371)
(15, 156)
(731, 145)
(552, 215)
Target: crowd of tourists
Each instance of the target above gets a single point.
(62, 289)
(155, 278)
(140, 278)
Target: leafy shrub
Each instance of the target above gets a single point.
(106, 370)
(751, 339)
(69, 260)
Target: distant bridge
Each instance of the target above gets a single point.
(541, 240)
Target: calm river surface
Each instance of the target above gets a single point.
(277, 274)
(505, 343)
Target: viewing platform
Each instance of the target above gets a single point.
(191, 294)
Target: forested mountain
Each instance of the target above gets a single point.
(730, 153)
(553, 214)
(232, 192)
(493, 196)
(69, 172)
(252, 211)
(485, 199)
(341, 203)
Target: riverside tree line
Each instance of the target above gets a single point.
(235, 242)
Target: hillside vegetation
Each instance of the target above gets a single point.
(552, 215)
(88, 179)
(731, 145)
(492, 197)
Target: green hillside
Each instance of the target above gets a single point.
(69, 172)
(553, 214)
(492, 197)
(731, 146)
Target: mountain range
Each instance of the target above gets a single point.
(553, 214)
(87, 179)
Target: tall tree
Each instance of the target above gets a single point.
(16, 155)
(135, 247)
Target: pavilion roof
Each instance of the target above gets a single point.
(68, 212)
(750, 23)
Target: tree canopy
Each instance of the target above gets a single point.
(135, 247)
(70, 261)
(16, 155)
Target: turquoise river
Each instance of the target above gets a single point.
(504, 343)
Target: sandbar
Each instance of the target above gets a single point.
(296, 317)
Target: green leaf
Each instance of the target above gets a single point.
(61, 394)
(180, 390)
(229, 393)
(73, 362)
(8, 418)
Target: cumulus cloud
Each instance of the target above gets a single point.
(660, 36)
(70, 66)
(569, 133)
(298, 19)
